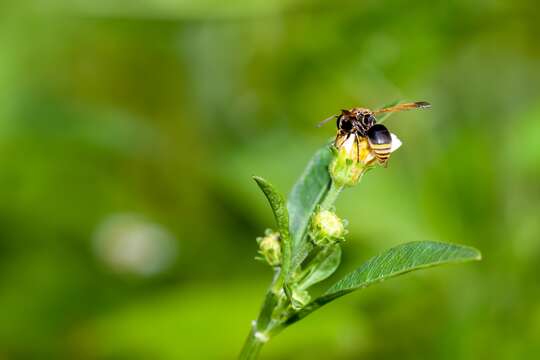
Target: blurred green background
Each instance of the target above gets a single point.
(129, 131)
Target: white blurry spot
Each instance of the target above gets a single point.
(349, 144)
(396, 143)
(131, 244)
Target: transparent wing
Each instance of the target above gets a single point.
(381, 118)
(404, 106)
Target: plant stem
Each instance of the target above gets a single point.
(331, 196)
(252, 346)
(264, 327)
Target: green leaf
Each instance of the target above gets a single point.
(306, 194)
(399, 260)
(281, 215)
(324, 263)
(301, 253)
(393, 262)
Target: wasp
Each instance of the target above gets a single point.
(362, 124)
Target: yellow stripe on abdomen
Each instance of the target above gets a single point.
(381, 146)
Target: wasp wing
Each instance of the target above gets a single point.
(404, 106)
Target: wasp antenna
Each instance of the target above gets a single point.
(326, 120)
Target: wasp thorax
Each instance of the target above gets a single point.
(368, 120)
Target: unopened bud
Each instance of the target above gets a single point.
(299, 298)
(353, 158)
(327, 228)
(270, 247)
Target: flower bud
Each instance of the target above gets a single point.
(327, 228)
(299, 297)
(353, 158)
(270, 247)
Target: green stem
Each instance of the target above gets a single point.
(331, 196)
(326, 203)
(265, 326)
(252, 346)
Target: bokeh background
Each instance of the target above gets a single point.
(129, 131)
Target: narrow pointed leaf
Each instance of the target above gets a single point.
(399, 260)
(393, 262)
(281, 215)
(306, 194)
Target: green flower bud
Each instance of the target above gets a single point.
(299, 297)
(351, 161)
(353, 158)
(327, 228)
(270, 247)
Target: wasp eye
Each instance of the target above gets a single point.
(345, 124)
(368, 120)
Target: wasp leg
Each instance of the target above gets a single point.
(340, 139)
(337, 139)
(357, 148)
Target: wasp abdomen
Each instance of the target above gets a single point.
(380, 142)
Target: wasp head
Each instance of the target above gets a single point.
(363, 120)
